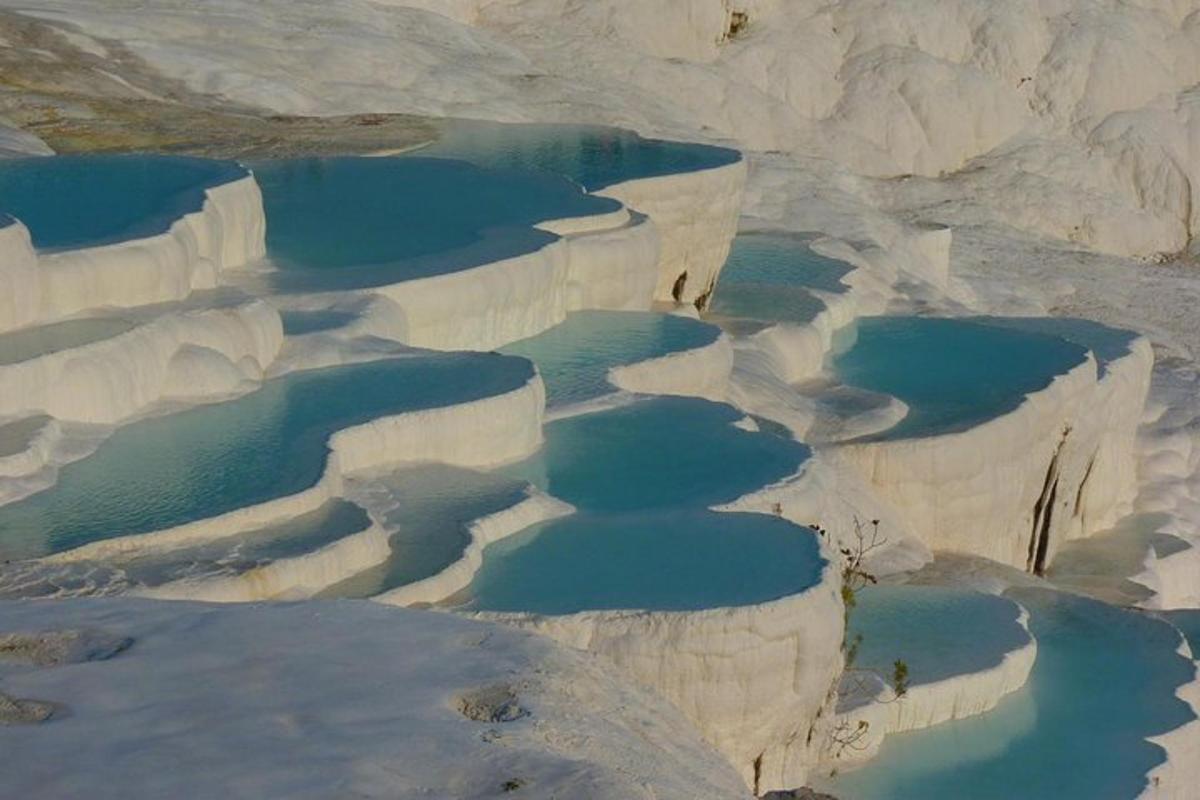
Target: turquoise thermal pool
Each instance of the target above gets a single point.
(670, 561)
(938, 632)
(353, 222)
(659, 453)
(1104, 680)
(69, 202)
(430, 508)
(952, 373)
(592, 156)
(574, 357)
(641, 477)
(167, 471)
(770, 277)
(1107, 344)
(30, 343)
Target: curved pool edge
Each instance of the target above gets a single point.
(536, 507)
(292, 578)
(493, 304)
(510, 422)
(1059, 466)
(702, 371)
(110, 380)
(228, 231)
(1179, 774)
(754, 679)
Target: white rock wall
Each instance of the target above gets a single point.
(228, 231)
(961, 696)
(488, 306)
(18, 276)
(113, 379)
(699, 372)
(696, 214)
(752, 679)
(978, 491)
(286, 578)
(480, 433)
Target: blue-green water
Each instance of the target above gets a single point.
(669, 561)
(1106, 343)
(659, 453)
(297, 323)
(233, 555)
(359, 222)
(592, 156)
(1104, 680)
(769, 277)
(642, 477)
(938, 632)
(574, 358)
(432, 508)
(952, 373)
(167, 471)
(77, 201)
(30, 343)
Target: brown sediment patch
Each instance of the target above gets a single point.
(79, 101)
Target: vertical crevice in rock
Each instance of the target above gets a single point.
(1087, 473)
(1043, 512)
(677, 289)
(757, 773)
(1043, 542)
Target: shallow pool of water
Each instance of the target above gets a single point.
(952, 373)
(938, 632)
(1104, 680)
(668, 561)
(592, 156)
(358, 222)
(659, 453)
(1106, 343)
(430, 508)
(166, 471)
(78, 201)
(574, 357)
(769, 277)
(234, 555)
(30, 343)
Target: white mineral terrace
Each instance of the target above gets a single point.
(751, 690)
(227, 232)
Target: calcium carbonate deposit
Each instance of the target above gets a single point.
(608, 399)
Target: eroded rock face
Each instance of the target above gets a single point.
(803, 793)
(491, 704)
(23, 712)
(56, 648)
